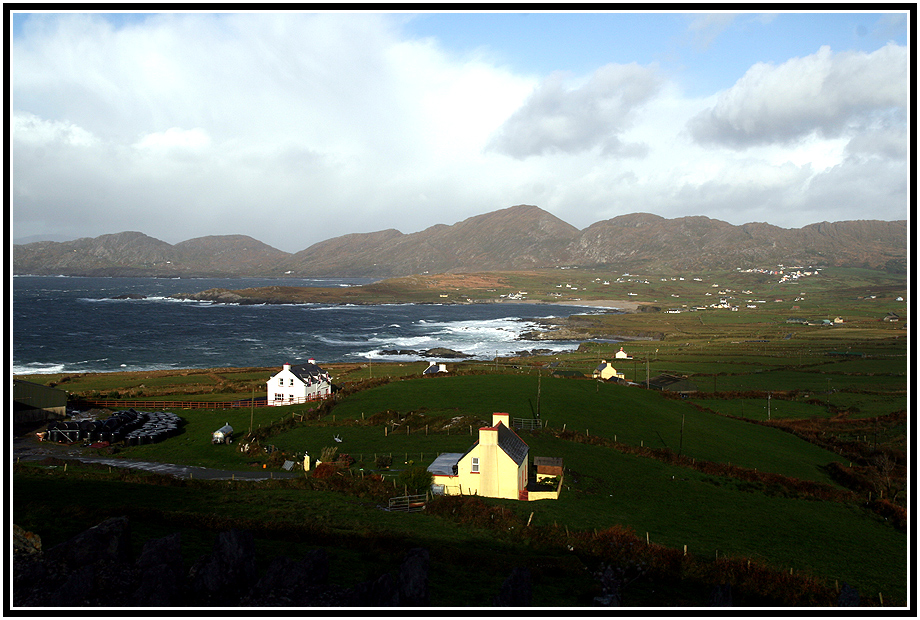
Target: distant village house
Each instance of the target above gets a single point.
(606, 371)
(622, 355)
(434, 368)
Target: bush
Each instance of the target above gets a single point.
(383, 461)
(324, 470)
(416, 478)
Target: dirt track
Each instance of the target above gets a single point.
(26, 448)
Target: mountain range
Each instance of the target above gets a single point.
(518, 238)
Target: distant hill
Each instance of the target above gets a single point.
(517, 238)
(134, 253)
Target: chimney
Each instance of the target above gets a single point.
(286, 367)
(504, 418)
(488, 436)
(311, 361)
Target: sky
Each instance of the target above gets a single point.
(295, 127)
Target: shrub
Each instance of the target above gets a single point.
(324, 470)
(416, 478)
(383, 461)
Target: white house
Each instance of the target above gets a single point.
(434, 368)
(623, 355)
(298, 384)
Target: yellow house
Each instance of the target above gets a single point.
(606, 371)
(495, 466)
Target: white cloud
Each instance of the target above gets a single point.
(31, 130)
(175, 138)
(556, 118)
(825, 93)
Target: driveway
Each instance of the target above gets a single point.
(27, 448)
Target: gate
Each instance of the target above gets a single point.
(526, 424)
(408, 503)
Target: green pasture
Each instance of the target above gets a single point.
(193, 445)
(757, 408)
(868, 405)
(626, 414)
(677, 507)
(818, 382)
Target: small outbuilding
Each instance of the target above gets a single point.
(34, 402)
(672, 383)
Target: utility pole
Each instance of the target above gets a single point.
(769, 394)
(681, 448)
(538, 392)
(646, 373)
(252, 405)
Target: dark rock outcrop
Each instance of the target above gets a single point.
(93, 569)
(444, 353)
(224, 576)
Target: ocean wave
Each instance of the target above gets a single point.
(37, 368)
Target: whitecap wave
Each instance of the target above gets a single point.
(37, 368)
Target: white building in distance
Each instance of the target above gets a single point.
(298, 384)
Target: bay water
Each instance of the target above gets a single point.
(74, 324)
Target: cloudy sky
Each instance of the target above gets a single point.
(296, 127)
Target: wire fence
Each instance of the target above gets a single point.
(184, 404)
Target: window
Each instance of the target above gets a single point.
(292, 382)
(279, 396)
(475, 468)
(281, 381)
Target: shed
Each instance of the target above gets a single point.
(548, 465)
(34, 402)
(672, 383)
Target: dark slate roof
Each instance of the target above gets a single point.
(548, 461)
(512, 445)
(668, 382)
(306, 372)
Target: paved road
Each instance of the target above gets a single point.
(28, 449)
